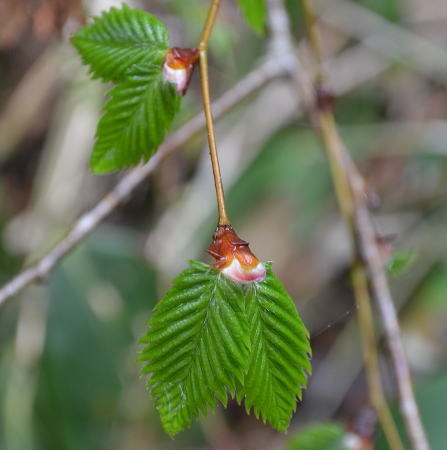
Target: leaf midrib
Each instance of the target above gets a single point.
(124, 45)
(268, 351)
(196, 350)
(136, 113)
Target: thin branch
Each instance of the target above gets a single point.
(120, 193)
(209, 24)
(203, 58)
(223, 218)
(370, 354)
(337, 163)
(343, 194)
(351, 197)
(335, 153)
(367, 241)
(314, 37)
(353, 204)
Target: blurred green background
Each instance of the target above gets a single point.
(68, 345)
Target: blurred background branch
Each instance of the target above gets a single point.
(319, 107)
(369, 262)
(90, 220)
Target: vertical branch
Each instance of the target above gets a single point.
(203, 50)
(337, 163)
(351, 197)
(335, 153)
(379, 285)
(209, 24)
(370, 355)
(314, 39)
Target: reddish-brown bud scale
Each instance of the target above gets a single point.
(360, 433)
(325, 99)
(234, 257)
(179, 65)
(386, 248)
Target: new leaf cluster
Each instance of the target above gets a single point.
(210, 336)
(128, 47)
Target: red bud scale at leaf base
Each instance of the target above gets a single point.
(234, 258)
(179, 65)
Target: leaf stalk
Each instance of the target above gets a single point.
(203, 60)
(209, 24)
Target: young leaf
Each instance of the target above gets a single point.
(137, 116)
(325, 436)
(197, 345)
(120, 38)
(279, 353)
(400, 261)
(255, 13)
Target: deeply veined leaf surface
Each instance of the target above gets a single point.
(136, 117)
(119, 39)
(325, 436)
(255, 13)
(197, 346)
(279, 353)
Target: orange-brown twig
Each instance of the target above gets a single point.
(203, 59)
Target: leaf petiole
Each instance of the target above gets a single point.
(203, 46)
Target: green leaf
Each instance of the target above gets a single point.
(197, 346)
(119, 39)
(326, 436)
(137, 116)
(279, 353)
(255, 13)
(400, 262)
(209, 336)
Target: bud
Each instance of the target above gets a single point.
(360, 433)
(325, 99)
(385, 247)
(234, 257)
(179, 65)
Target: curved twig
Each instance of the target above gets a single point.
(120, 193)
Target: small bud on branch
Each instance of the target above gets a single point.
(234, 257)
(325, 99)
(179, 66)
